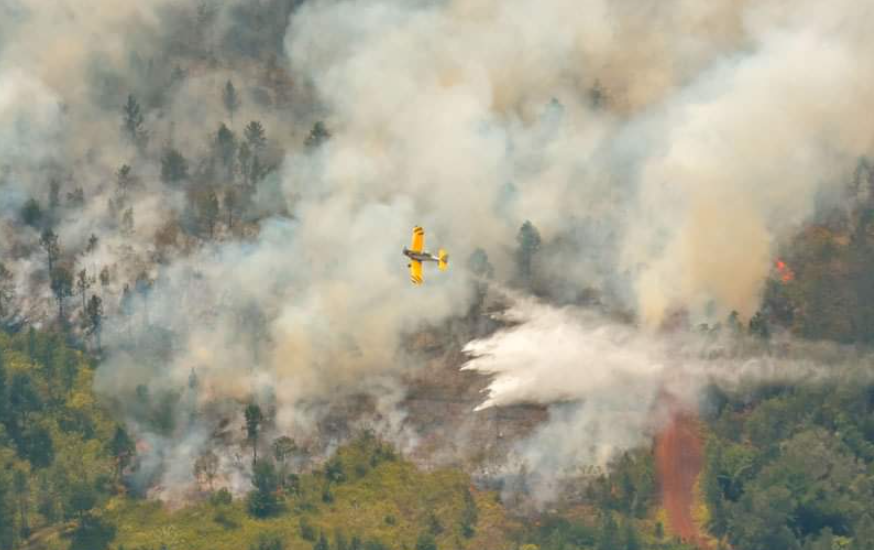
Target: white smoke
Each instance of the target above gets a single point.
(667, 147)
(612, 386)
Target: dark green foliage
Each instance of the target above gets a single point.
(174, 167)
(863, 534)
(478, 264)
(630, 538)
(132, 123)
(334, 471)
(54, 194)
(7, 515)
(558, 533)
(92, 533)
(36, 446)
(122, 448)
(327, 495)
(94, 313)
(426, 542)
(231, 99)
(759, 326)
(263, 501)
(317, 136)
(291, 483)
(226, 148)
(733, 323)
(255, 137)
(283, 448)
(31, 213)
(222, 497)
(83, 498)
(255, 30)
(528, 240)
(125, 180)
(340, 542)
(469, 515)
(83, 283)
(4, 394)
(307, 532)
(800, 478)
(434, 525)
(381, 452)
(232, 205)
(713, 492)
(608, 538)
(62, 287)
(23, 396)
(257, 170)
(254, 418)
(206, 205)
(49, 243)
(628, 487)
(322, 543)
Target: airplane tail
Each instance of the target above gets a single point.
(442, 260)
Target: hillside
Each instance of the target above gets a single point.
(654, 330)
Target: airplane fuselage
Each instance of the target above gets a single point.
(420, 256)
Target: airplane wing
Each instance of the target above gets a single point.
(416, 272)
(418, 240)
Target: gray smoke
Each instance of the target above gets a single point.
(664, 151)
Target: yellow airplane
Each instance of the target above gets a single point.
(417, 255)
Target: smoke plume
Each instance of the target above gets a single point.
(664, 151)
(612, 386)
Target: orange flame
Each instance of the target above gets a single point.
(784, 271)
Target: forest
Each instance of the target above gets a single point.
(654, 333)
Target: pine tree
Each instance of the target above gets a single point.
(94, 314)
(231, 99)
(226, 149)
(263, 501)
(49, 242)
(133, 122)
(174, 167)
(83, 283)
(712, 489)
(255, 137)
(317, 136)
(254, 418)
(528, 240)
(124, 180)
(469, 515)
(62, 288)
(123, 449)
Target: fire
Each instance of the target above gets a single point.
(784, 271)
